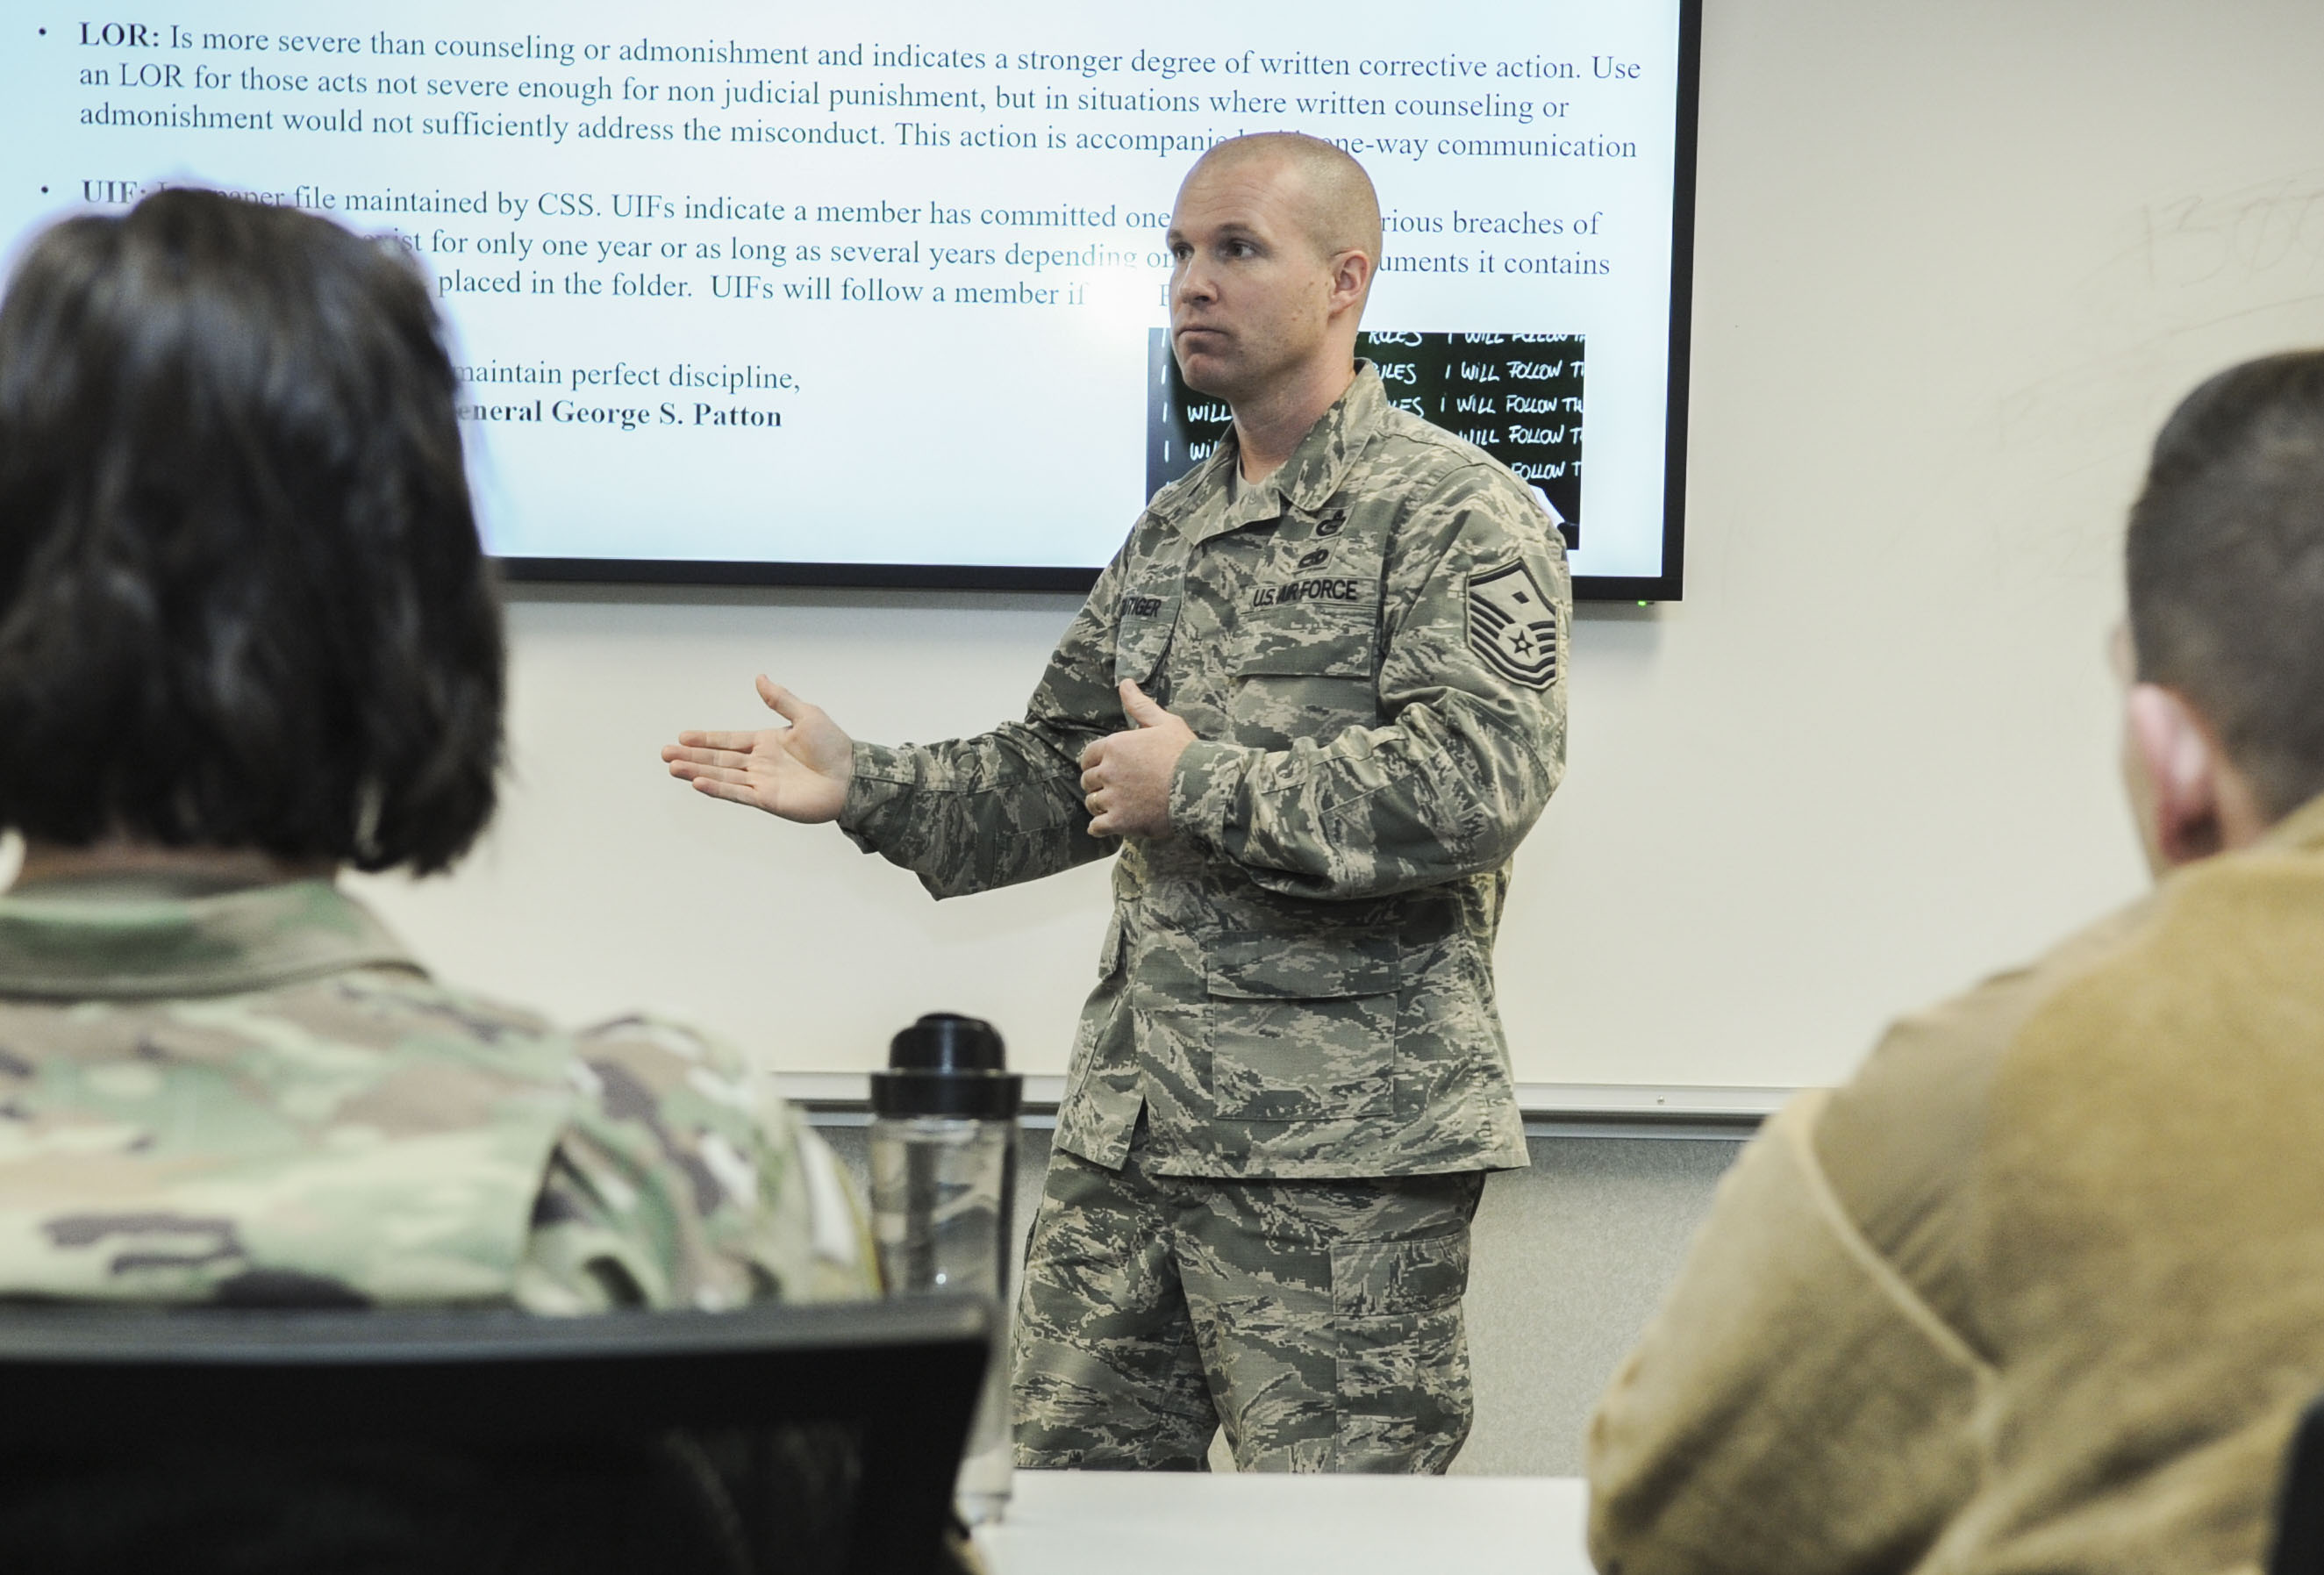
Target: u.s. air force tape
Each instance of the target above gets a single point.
(1512, 625)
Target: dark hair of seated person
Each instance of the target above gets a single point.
(2226, 565)
(243, 603)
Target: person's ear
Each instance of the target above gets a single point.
(1351, 275)
(2179, 767)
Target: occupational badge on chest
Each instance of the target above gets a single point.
(1512, 625)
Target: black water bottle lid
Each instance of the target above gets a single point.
(946, 1065)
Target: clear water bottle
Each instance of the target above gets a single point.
(944, 1182)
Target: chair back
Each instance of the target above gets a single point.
(773, 1416)
(2299, 1547)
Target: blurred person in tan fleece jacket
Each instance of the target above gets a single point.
(2043, 1288)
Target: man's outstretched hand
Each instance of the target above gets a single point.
(798, 772)
(1126, 776)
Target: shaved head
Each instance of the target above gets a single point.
(1274, 242)
(1340, 210)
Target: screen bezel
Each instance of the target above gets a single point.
(1665, 586)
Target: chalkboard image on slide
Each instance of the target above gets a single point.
(1515, 396)
(866, 295)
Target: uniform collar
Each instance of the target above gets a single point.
(126, 939)
(1319, 464)
(1308, 479)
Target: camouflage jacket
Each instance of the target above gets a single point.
(1370, 649)
(256, 1096)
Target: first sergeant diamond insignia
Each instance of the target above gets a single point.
(1512, 625)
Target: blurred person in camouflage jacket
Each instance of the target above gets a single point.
(1316, 701)
(247, 638)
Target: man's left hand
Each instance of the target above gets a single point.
(1126, 776)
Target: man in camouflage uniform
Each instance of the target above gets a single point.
(1339, 649)
(252, 1095)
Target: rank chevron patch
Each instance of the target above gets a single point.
(1512, 625)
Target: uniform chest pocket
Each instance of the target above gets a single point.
(1303, 1029)
(1309, 679)
(1141, 638)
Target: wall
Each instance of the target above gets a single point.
(1954, 265)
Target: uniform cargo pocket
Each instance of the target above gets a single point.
(1402, 1362)
(1395, 1279)
(1303, 1029)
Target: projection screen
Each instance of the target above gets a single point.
(875, 294)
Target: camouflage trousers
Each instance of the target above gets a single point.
(1318, 1322)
